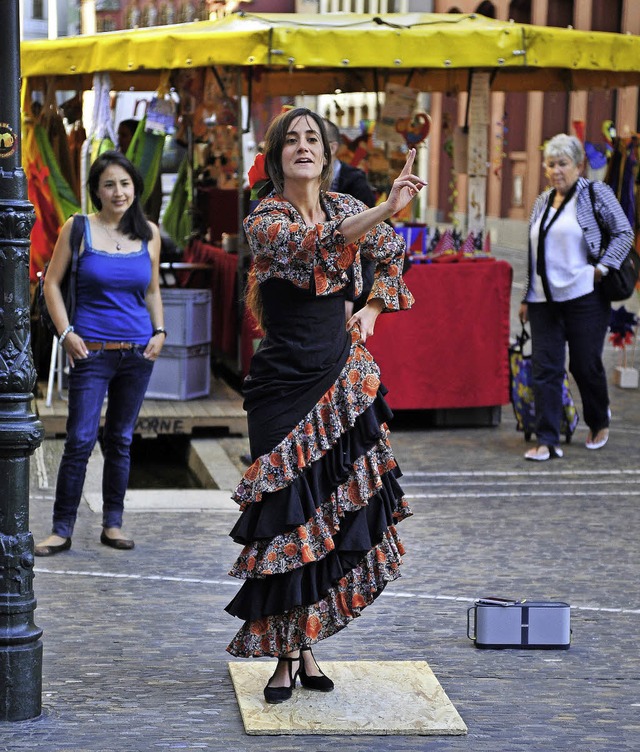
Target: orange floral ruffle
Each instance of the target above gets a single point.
(335, 413)
(306, 625)
(347, 417)
(314, 540)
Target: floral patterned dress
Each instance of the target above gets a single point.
(321, 500)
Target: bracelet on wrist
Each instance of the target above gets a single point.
(160, 330)
(63, 336)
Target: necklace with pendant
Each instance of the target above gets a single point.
(111, 238)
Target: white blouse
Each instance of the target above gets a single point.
(569, 273)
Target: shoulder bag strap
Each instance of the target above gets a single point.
(77, 233)
(598, 218)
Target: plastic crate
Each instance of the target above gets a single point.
(187, 316)
(181, 373)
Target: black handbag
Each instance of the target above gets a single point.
(617, 284)
(68, 284)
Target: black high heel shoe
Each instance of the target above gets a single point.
(320, 683)
(275, 695)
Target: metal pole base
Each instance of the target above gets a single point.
(21, 674)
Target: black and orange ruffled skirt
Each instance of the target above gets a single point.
(317, 522)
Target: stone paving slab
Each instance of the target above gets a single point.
(134, 642)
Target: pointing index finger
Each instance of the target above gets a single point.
(406, 170)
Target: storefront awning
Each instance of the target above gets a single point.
(314, 54)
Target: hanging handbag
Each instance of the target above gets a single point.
(68, 284)
(617, 284)
(521, 392)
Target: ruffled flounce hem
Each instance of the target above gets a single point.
(287, 508)
(328, 533)
(333, 417)
(304, 626)
(307, 585)
(318, 517)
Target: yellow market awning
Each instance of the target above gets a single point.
(313, 54)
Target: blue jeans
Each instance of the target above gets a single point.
(582, 324)
(122, 376)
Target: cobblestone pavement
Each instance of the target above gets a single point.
(134, 641)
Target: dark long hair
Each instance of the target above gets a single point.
(273, 146)
(274, 141)
(134, 224)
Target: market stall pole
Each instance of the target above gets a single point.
(20, 431)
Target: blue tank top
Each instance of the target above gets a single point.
(111, 288)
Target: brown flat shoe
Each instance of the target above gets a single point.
(52, 550)
(122, 544)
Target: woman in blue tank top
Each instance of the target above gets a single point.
(111, 345)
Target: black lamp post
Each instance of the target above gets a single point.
(20, 430)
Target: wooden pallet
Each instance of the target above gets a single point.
(221, 409)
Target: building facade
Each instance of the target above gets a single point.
(48, 19)
(521, 122)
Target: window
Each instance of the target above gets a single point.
(486, 9)
(37, 9)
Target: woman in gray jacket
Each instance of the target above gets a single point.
(563, 301)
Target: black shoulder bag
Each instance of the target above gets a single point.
(69, 281)
(617, 284)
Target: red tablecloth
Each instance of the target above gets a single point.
(224, 294)
(451, 349)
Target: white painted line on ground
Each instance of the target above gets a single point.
(516, 473)
(393, 593)
(451, 483)
(516, 494)
(141, 577)
(454, 598)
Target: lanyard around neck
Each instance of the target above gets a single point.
(544, 230)
(541, 266)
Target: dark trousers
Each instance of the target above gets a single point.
(582, 324)
(123, 376)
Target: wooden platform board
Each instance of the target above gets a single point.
(221, 409)
(381, 698)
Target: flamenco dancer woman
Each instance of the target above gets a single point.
(320, 502)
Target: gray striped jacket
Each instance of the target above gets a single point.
(611, 216)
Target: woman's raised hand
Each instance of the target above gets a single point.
(406, 186)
